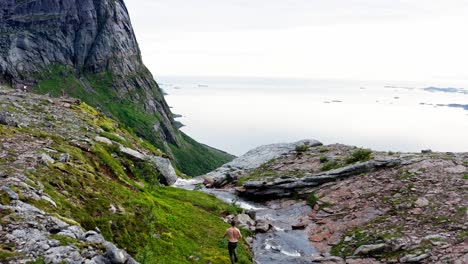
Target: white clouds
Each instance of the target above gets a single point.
(358, 39)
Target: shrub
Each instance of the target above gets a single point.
(359, 155)
(330, 165)
(302, 148)
(312, 199)
(323, 158)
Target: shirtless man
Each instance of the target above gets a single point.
(234, 235)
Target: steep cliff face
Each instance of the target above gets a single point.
(87, 49)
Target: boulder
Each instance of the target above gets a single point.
(7, 120)
(133, 154)
(244, 220)
(262, 226)
(103, 140)
(115, 255)
(164, 166)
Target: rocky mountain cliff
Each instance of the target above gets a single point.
(87, 49)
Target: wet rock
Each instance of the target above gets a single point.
(262, 226)
(244, 220)
(301, 225)
(164, 166)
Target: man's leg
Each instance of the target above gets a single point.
(232, 253)
(235, 253)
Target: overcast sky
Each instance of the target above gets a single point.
(346, 39)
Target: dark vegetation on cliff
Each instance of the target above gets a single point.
(87, 49)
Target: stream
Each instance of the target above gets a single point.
(281, 244)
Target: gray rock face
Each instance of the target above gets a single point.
(164, 166)
(254, 159)
(261, 190)
(86, 36)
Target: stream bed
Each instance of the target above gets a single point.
(281, 244)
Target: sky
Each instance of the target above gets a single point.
(412, 40)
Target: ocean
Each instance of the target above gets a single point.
(236, 114)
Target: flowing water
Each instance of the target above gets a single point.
(279, 245)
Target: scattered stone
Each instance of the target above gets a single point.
(301, 225)
(64, 157)
(456, 169)
(411, 258)
(421, 202)
(45, 159)
(369, 249)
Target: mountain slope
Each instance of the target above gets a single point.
(87, 49)
(66, 184)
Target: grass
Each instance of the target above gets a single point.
(359, 155)
(312, 199)
(155, 224)
(301, 148)
(98, 90)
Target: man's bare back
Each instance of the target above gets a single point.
(233, 234)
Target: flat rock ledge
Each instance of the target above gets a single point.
(288, 186)
(253, 159)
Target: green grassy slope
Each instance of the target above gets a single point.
(190, 157)
(155, 224)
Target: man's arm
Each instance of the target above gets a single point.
(240, 234)
(225, 234)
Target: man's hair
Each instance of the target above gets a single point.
(233, 223)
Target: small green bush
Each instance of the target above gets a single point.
(359, 155)
(302, 148)
(323, 149)
(323, 158)
(331, 165)
(312, 199)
